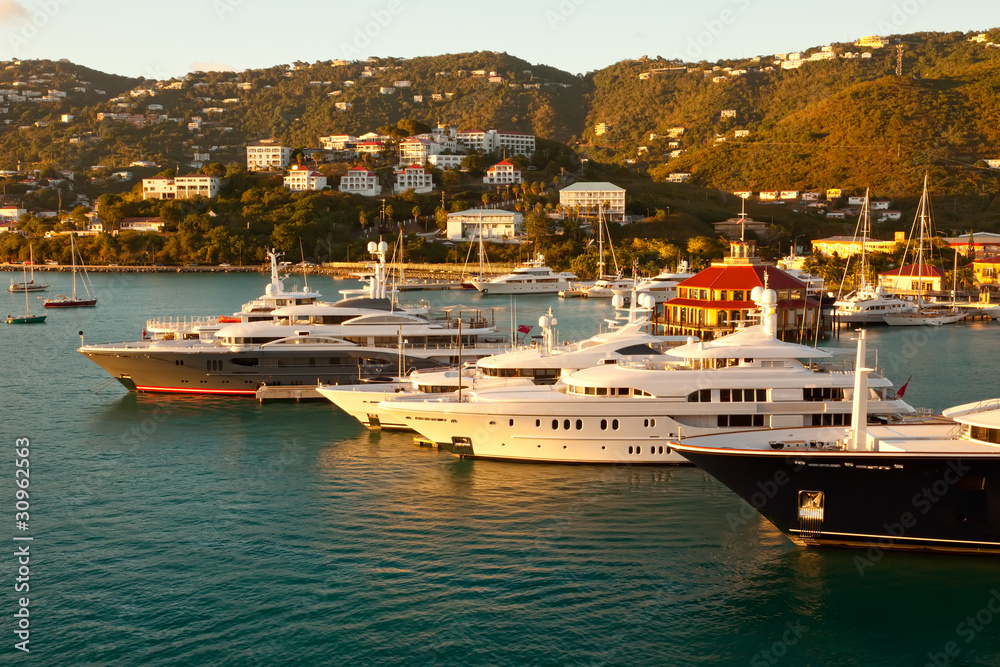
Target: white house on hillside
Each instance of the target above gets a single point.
(492, 223)
(360, 181)
(502, 173)
(300, 179)
(589, 196)
(182, 187)
(264, 157)
(414, 177)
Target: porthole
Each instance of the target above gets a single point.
(566, 424)
(652, 423)
(645, 423)
(555, 424)
(603, 447)
(614, 424)
(511, 422)
(630, 449)
(604, 424)
(638, 450)
(661, 449)
(579, 424)
(538, 422)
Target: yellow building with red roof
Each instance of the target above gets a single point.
(716, 300)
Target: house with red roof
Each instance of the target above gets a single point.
(414, 177)
(300, 179)
(502, 173)
(716, 300)
(912, 279)
(360, 181)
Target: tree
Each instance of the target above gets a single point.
(538, 228)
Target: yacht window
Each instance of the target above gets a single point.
(511, 422)
(700, 396)
(737, 295)
(724, 295)
(742, 421)
(566, 424)
(614, 424)
(984, 434)
(538, 422)
(555, 424)
(638, 450)
(579, 424)
(604, 424)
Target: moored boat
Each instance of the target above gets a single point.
(933, 485)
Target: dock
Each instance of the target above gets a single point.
(295, 393)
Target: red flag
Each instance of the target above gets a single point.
(902, 390)
(144, 333)
(523, 328)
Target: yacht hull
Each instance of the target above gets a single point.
(159, 369)
(936, 502)
(633, 432)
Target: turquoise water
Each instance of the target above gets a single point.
(188, 530)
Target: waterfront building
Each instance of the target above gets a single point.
(492, 223)
(716, 300)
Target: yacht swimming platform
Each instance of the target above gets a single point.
(287, 393)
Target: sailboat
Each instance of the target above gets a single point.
(29, 284)
(924, 315)
(607, 284)
(869, 303)
(27, 318)
(65, 301)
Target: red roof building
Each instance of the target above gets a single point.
(912, 279)
(715, 301)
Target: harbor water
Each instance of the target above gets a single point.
(186, 530)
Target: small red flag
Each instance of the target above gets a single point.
(523, 328)
(902, 390)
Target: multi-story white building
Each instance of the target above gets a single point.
(589, 196)
(338, 142)
(446, 161)
(491, 223)
(416, 150)
(415, 178)
(300, 179)
(502, 173)
(264, 157)
(513, 143)
(182, 187)
(360, 181)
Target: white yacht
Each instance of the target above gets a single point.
(663, 286)
(541, 364)
(299, 344)
(628, 412)
(257, 310)
(532, 277)
(869, 303)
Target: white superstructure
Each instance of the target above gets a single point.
(627, 412)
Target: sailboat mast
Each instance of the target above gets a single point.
(866, 224)
(920, 247)
(72, 253)
(600, 241)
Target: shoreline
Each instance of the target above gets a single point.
(334, 269)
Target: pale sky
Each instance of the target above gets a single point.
(164, 39)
